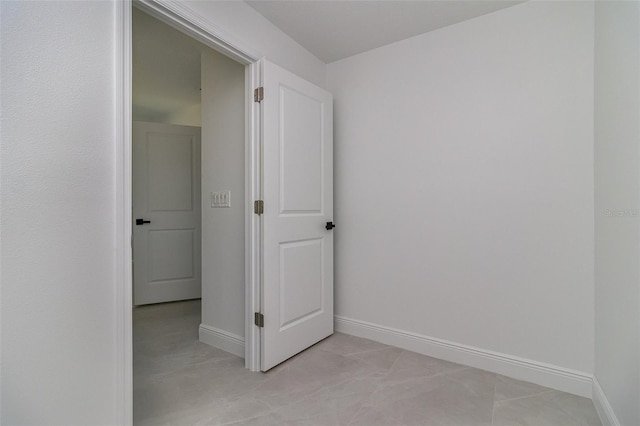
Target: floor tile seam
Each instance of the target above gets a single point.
(456, 370)
(493, 406)
(320, 415)
(375, 369)
(237, 422)
(348, 394)
(355, 358)
(355, 415)
(157, 419)
(367, 403)
(275, 374)
(571, 414)
(369, 351)
(314, 394)
(396, 360)
(442, 373)
(329, 350)
(233, 422)
(308, 397)
(277, 411)
(524, 397)
(351, 358)
(291, 402)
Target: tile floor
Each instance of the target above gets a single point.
(342, 380)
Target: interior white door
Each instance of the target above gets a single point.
(166, 213)
(297, 287)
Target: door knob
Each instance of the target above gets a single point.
(330, 226)
(142, 221)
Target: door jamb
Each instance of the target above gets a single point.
(185, 20)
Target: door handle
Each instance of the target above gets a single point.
(142, 221)
(330, 226)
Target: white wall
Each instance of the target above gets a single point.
(464, 184)
(58, 205)
(223, 160)
(165, 73)
(617, 201)
(191, 116)
(242, 24)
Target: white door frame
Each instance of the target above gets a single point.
(176, 15)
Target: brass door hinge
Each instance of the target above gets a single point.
(258, 207)
(258, 94)
(258, 319)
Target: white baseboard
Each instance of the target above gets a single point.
(600, 401)
(221, 339)
(563, 379)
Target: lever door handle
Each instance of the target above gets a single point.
(330, 226)
(142, 221)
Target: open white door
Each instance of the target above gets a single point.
(297, 289)
(166, 213)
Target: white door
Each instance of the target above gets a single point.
(297, 289)
(166, 213)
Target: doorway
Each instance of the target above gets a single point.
(196, 192)
(230, 171)
(210, 37)
(183, 91)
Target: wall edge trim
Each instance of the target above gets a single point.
(221, 339)
(552, 376)
(603, 408)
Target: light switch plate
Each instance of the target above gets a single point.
(221, 199)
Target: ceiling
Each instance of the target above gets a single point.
(333, 30)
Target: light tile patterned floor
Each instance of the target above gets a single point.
(343, 380)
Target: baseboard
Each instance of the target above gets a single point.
(563, 379)
(221, 339)
(600, 401)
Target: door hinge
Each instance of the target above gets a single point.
(258, 207)
(258, 319)
(258, 94)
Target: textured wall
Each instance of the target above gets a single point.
(58, 206)
(464, 184)
(617, 201)
(223, 160)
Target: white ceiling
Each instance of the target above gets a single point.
(333, 30)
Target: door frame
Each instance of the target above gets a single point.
(183, 19)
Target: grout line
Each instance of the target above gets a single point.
(355, 415)
(493, 406)
(366, 351)
(526, 396)
(443, 373)
(396, 360)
